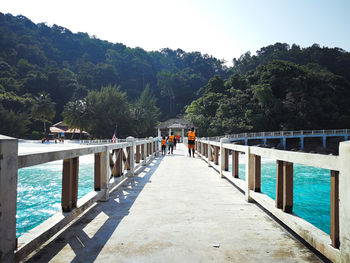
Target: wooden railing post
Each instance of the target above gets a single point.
(257, 173)
(8, 197)
(223, 157)
(209, 153)
(207, 146)
(249, 174)
(131, 154)
(344, 204)
(97, 172)
(119, 162)
(151, 146)
(70, 174)
(279, 184)
(287, 187)
(217, 151)
(335, 209)
(235, 164)
(137, 154)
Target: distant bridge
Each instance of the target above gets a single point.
(284, 135)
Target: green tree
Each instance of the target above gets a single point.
(43, 108)
(75, 115)
(145, 113)
(107, 108)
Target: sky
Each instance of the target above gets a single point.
(225, 29)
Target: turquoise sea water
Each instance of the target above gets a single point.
(39, 192)
(311, 191)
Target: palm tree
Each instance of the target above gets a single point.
(75, 115)
(43, 108)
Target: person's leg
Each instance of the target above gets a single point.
(193, 152)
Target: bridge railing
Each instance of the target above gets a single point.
(281, 133)
(113, 163)
(335, 246)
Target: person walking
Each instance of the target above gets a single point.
(191, 136)
(171, 140)
(163, 144)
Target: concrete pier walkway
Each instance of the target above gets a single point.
(176, 210)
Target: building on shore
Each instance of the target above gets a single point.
(61, 130)
(174, 125)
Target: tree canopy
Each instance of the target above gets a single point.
(95, 85)
(36, 58)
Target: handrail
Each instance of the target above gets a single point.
(118, 160)
(216, 154)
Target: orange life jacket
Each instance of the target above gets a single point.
(163, 142)
(191, 135)
(171, 138)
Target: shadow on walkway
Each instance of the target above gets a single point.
(87, 247)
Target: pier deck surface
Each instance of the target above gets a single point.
(176, 210)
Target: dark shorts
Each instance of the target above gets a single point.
(163, 147)
(191, 142)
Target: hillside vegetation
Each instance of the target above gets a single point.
(41, 63)
(48, 73)
(279, 88)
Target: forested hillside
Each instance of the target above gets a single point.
(279, 88)
(42, 64)
(48, 74)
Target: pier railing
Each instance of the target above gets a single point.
(113, 164)
(335, 246)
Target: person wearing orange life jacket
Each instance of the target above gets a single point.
(191, 135)
(171, 140)
(163, 144)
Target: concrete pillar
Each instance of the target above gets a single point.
(8, 197)
(169, 131)
(105, 174)
(246, 141)
(324, 141)
(132, 156)
(265, 141)
(284, 142)
(143, 153)
(223, 156)
(159, 133)
(182, 135)
(249, 174)
(344, 201)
